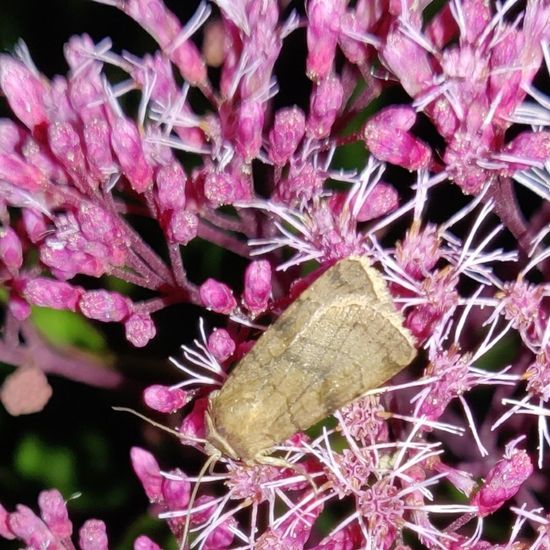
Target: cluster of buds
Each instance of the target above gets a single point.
(468, 273)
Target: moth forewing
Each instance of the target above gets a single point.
(340, 338)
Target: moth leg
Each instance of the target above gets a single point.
(282, 463)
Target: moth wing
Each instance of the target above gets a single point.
(339, 339)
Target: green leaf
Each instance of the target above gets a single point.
(65, 328)
(50, 466)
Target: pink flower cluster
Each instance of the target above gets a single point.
(467, 269)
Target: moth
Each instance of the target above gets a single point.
(340, 338)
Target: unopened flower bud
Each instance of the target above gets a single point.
(11, 251)
(99, 154)
(387, 139)
(220, 188)
(105, 306)
(147, 469)
(326, 100)
(322, 36)
(170, 182)
(248, 131)
(49, 293)
(25, 91)
(65, 143)
(217, 296)
(257, 286)
(164, 399)
(127, 145)
(35, 224)
(193, 423)
(19, 308)
(176, 490)
(182, 226)
(503, 482)
(140, 329)
(93, 536)
(221, 345)
(288, 130)
(145, 543)
(53, 510)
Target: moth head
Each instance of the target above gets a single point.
(216, 444)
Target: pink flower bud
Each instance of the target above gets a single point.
(145, 543)
(11, 251)
(326, 100)
(193, 423)
(351, 26)
(16, 171)
(97, 138)
(147, 469)
(422, 320)
(19, 308)
(221, 345)
(49, 293)
(202, 515)
(140, 329)
(26, 92)
(387, 137)
(381, 200)
(65, 145)
(222, 536)
(170, 182)
(248, 130)
(28, 527)
(182, 227)
(93, 536)
(304, 181)
(217, 296)
(442, 28)
(11, 136)
(155, 18)
(5, 531)
(34, 224)
(400, 117)
(176, 492)
(322, 35)
(220, 188)
(105, 306)
(189, 61)
(288, 130)
(408, 60)
(531, 146)
(164, 399)
(257, 286)
(502, 482)
(127, 145)
(53, 510)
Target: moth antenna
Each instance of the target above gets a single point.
(159, 425)
(211, 459)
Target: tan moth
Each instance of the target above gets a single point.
(339, 339)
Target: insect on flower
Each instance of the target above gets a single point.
(340, 338)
